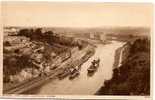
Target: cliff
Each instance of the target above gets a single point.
(133, 75)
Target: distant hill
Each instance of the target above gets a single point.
(135, 31)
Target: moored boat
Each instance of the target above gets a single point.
(64, 74)
(74, 73)
(72, 76)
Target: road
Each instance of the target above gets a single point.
(83, 84)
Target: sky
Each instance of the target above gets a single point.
(76, 14)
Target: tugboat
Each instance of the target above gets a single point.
(93, 67)
(74, 73)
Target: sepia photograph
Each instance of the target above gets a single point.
(77, 48)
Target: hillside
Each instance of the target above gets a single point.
(133, 76)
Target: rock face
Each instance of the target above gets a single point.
(121, 54)
(133, 76)
(125, 52)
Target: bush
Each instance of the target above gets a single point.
(24, 32)
(14, 64)
(6, 43)
(140, 45)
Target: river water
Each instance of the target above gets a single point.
(84, 84)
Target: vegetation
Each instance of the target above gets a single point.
(133, 77)
(6, 43)
(16, 60)
(13, 65)
(50, 37)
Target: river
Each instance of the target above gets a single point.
(83, 84)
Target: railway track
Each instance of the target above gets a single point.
(30, 84)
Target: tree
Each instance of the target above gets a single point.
(7, 43)
(24, 32)
(48, 36)
(37, 34)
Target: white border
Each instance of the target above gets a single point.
(94, 97)
(110, 1)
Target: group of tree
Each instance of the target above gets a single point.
(140, 45)
(49, 37)
(35, 34)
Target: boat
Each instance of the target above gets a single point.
(64, 74)
(92, 69)
(74, 73)
(94, 66)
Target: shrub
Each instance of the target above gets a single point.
(6, 43)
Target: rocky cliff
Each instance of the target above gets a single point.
(133, 75)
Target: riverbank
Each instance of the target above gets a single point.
(133, 76)
(83, 55)
(83, 84)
